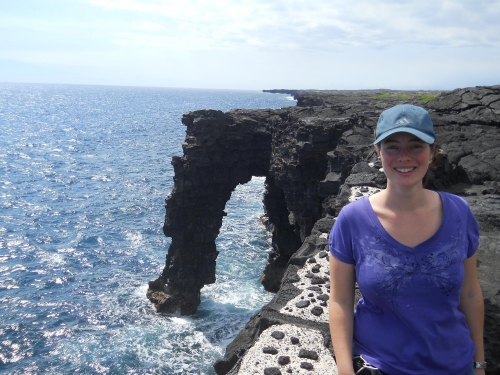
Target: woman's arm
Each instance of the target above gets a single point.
(472, 305)
(342, 279)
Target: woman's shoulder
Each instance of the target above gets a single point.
(355, 212)
(455, 200)
(355, 207)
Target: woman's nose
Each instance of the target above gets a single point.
(404, 153)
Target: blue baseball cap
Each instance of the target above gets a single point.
(405, 118)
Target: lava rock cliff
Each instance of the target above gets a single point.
(316, 157)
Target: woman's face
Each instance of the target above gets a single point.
(405, 158)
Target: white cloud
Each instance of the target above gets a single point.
(254, 43)
(319, 24)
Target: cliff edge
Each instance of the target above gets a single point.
(316, 157)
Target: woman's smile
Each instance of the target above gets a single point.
(404, 170)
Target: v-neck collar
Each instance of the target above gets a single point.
(378, 225)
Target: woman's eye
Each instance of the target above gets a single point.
(416, 148)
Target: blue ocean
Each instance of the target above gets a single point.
(84, 171)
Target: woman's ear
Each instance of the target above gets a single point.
(377, 150)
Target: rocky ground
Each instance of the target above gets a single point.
(316, 157)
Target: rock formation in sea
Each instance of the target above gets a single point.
(316, 157)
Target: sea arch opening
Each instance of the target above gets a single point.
(243, 246)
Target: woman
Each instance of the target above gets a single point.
(412, 252)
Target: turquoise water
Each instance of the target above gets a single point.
(84, 171)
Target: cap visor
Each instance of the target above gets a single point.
(417, 133)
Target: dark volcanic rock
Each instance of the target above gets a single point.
(318, 280)
(278, 335)
(312, 155)
(272, 371)
(486, 209)
(315, 289)
(270, 350)
(323, 297)
(307, 366)
(473, 105)
(302, 304)
(309, 354)
(316, 310)
(283, 360)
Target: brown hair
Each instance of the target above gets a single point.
(438, 153)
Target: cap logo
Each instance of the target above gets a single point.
(403, 121)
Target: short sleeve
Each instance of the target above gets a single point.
(340, 241)
(472, 233)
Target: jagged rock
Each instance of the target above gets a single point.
(477, 105)
(313, 156)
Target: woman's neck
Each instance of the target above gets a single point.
(409, 198)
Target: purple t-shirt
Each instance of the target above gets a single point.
(408, 321)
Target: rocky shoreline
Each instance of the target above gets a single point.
(316, 157)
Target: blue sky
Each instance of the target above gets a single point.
(252, 44)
